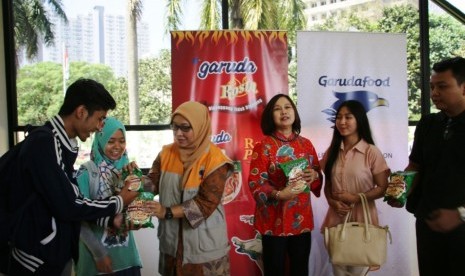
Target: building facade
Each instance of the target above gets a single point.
(95, 37)
(319, 10)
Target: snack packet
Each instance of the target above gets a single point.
(137, 213)
(294, 172)
(136, 184)
(399, 186)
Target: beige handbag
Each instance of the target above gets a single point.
(356, 243)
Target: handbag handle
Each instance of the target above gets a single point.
(342, 235)
(366, 211)
(366, 219)
(366, 216)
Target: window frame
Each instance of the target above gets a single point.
(10, 65)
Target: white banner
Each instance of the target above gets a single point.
(372, 68)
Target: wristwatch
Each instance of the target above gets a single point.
(168, 213)
(461, 210)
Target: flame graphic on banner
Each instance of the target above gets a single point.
(227, 36)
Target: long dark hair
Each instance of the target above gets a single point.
(363, 131)
(267, 123)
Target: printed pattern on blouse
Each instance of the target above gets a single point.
(273, 217)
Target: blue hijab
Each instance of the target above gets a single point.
(109, 170)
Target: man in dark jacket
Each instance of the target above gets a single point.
(438, 155)
(47, 233)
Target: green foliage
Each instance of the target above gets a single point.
(446, 37)
(121, 96)
(103, 74)
(292, 79)
(32, 23)
(405, 19)
(40, 88)
(446, 40)
(155, 89)
(40, 92)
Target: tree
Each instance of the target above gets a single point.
(40, 92)
(405, 19)
(155, 87)
(286, 15)
(446, 40)
(155, 91)
(32, 23)
(134, 12)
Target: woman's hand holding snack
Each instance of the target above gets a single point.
(133, 182)
(157, 209)
(152, 206)
(310, 175)
(287, 193)
(130, 167)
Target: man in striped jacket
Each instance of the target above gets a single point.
(46, 234)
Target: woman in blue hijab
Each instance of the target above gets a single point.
(104, 250)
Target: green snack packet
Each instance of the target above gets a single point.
(293, 170)
(137, 212)
(399, 186)
(136, 184)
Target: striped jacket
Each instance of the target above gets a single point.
(47, 234)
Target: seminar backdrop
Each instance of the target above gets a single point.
(369, 67)
(233, 73)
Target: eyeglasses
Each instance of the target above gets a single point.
(183, 128)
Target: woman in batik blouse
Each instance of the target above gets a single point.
(283, 212)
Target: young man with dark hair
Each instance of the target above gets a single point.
(438, 155)
(47, 233)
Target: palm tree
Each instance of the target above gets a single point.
(32, 23)
(248, 14)
(134, 13)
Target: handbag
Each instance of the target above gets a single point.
(356, 243)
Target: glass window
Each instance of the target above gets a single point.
(90, 39)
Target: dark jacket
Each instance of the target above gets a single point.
(48, 231)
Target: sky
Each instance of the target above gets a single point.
(154, 13)
(460, 4)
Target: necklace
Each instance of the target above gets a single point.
(284, 140)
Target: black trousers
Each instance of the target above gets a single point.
(440, 254)
(4, 258)
(279, 250)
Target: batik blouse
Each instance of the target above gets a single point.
(278, 217)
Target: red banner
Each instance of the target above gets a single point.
(233, 73)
